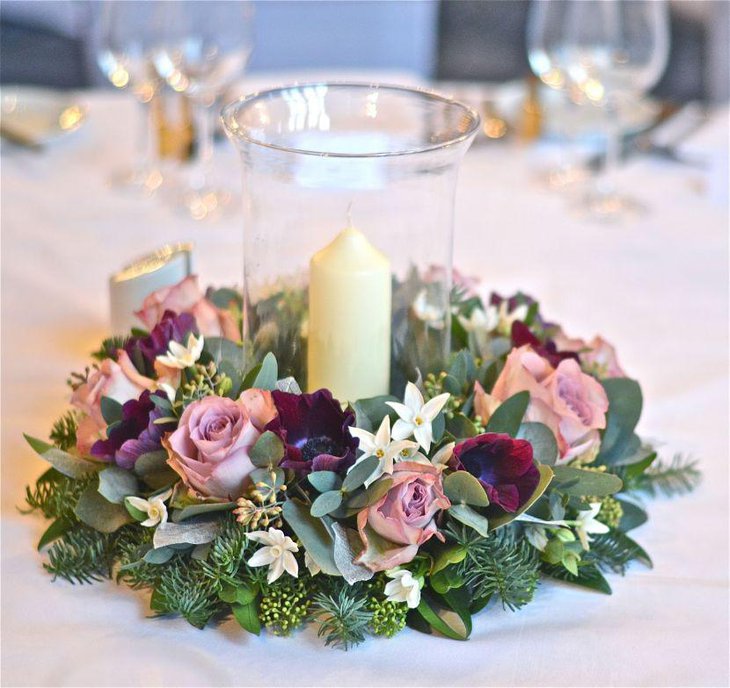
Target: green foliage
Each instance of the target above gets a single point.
(588, 576)
(109, 347)
(56, 495)
(131, 544)
(183, 589)
(499, 565)
(343, 616)
(63, 433)
(226, 559)
(614, 551)
(285, 605)
(81, 555)
(679, 476)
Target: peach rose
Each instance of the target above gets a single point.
(118, 380)
(186, 297)
(572, 404)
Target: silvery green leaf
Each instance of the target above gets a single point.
(466, 515)
(359, 473)
(544, 444)
(197, 533)
(115, 484)
(347, 547)
(70, 465)
(288, 384)
(324, 481)
(99, 513)
(159, 555)
(312, 533)
(326, 503)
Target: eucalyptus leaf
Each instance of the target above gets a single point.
(578, 482)
(268, 374)
(466, 515)
(115, 484)
(369, 413)
(111, 410)
(191, 510)
(326, 503)
(372, 494)
(624, 410)
(312, 533)
(461, 427)
(451, 555)
(221, 349)
(324, 481)
(70, 465)
(99, 513)
(268, 450)
(153, 469)
(359, 473)
(159, 555)
(544, 444)
(509, 414)
(461, 487)
(633, 516)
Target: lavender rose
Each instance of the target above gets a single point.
(395, 527)
(209, 449)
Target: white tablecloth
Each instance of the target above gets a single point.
(658, 288)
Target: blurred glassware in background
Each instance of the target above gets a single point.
(204, 47)
(127, 30)
(607, 54)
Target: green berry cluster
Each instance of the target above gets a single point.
(434, 385)
(284, 606)
(388, 618)
(611, 511)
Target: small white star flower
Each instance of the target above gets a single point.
(277, 553)
(381, 445)
(480, 320)
(501, 318)
(154, 507)
(432, 315)
(415, 417)
(403, 588)
(179, 356)
(586, 524)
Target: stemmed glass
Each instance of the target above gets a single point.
(605, 53)
(204, 48)
(127, 29)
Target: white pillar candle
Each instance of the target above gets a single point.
(349, 318)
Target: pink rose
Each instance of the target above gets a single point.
(186, 297)
(597, 356)
(393, 528)
(209, 449)
(572, 404)
(120, 381)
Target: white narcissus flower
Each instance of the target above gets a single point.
(586, 524)
(501, 318)
(154, 507)
(381, 445)
(480, 320)
(277, 553)
(416, 417)
(403, 588)
(439, 460)
(434, 316)
(179, 356)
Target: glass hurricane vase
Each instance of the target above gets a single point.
(348, 230)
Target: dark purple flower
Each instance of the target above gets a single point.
(315, 430)
(522, 335)
(135, 434)
(172, 327)
(504, 466)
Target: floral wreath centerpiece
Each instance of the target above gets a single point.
(449, 451)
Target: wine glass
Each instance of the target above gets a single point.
(607, 54)
(205, 47)
(126, 32)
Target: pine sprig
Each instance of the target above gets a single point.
(343, 617)
(226, 557)
(614, 551)
(63, 433)
(678, 477)
(183, 590)
(81, 555)
(130, 544)
(55, 495)
(499, 565)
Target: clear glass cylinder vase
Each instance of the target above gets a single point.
(348, 230)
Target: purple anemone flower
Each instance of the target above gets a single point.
(135, 434)
(316, 432)
(503, 465)
(172, 327)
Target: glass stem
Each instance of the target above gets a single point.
(202, 114)
(145, 140)
(612, 162)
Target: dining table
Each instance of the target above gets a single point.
(655, 286)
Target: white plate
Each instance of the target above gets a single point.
(39, 115)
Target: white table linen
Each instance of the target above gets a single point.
(657, 288)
